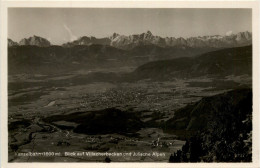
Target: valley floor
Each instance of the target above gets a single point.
(34, 98)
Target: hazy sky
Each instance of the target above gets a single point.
(60, 25)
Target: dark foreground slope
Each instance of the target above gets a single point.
(222, 125)
(232, 61)
(105, 121)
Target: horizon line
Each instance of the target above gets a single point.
(130, 35)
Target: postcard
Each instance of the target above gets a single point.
(129, 84)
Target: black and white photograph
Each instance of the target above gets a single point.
(129, 85)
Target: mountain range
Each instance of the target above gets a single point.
(154, 59)
(147, 38)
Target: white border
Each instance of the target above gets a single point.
(254, 5)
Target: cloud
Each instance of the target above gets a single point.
(229, 32)
(72, 36)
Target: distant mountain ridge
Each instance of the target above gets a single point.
(129, 42)
(87, 41)
(35, 41)
(132, 41)
(12, 43)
